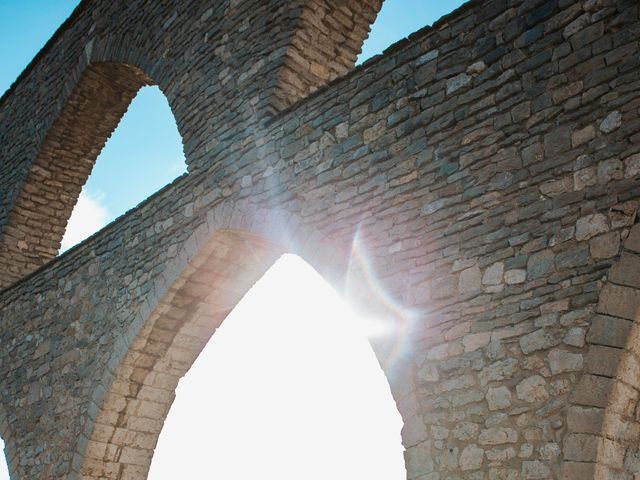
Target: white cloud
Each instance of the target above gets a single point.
(88, 216)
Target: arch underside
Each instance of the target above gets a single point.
(132, 415)
(38, 221)
(612, 407)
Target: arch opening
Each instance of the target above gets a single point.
(143, 154)
(135, 399)
(68, 152)
(4, 467)
(291, 381)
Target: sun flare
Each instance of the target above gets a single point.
(288, 387)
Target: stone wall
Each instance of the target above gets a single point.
(484, 176)
(224, 68)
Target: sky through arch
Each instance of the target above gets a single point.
(288, 388)
(142, 155)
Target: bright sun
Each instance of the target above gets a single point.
(288, 388)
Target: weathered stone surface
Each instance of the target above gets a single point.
(561, 361)
(535, 469)
(619, 301)
(498, 371)
(632, 166)
(498, 398)
(532, 389)
(633, 240)
(473, 184)
(583, 135)
(605, 246)
(471, 457)
(470, 280)
(493, 274)
(584, 178)
(610, 331)
(515, 276)
(592, 390)
(575, 337)
(611, 122)
(456, 83)
(603, 360)
(540, 264)
(590, 226)
(541, 339)
(626, 271)
(475, 341)
(497, 436)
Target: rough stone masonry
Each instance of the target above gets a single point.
(484, 174)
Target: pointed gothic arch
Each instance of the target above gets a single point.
(205, 283)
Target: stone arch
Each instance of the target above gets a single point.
(605, 407)
(215, 269)
(92, 111)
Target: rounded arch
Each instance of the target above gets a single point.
(216, 267)
(91, 112)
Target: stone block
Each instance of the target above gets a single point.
(471, 457)
(532, 389)
(620, 301)
(602, 360)
(541, 339)
(585, 177)
(515, 276)
(493, 274)
(585, 420)
(633, 240)
(592, 390)
(626, 271)
(561, 361)
(611, 122)
(632, 166)
(444, 287)
(557, 141)
(577, 470)
(611, 169)
(475, 341)
(590, 226)
(535, 469)
(540, 264)
(580, 447)
(497, 436)
(578, 137)
(470, 280)
(575, 337)
(609, 331)
(623, 214)
(498, 398)
(605, 246)
(458, 82)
